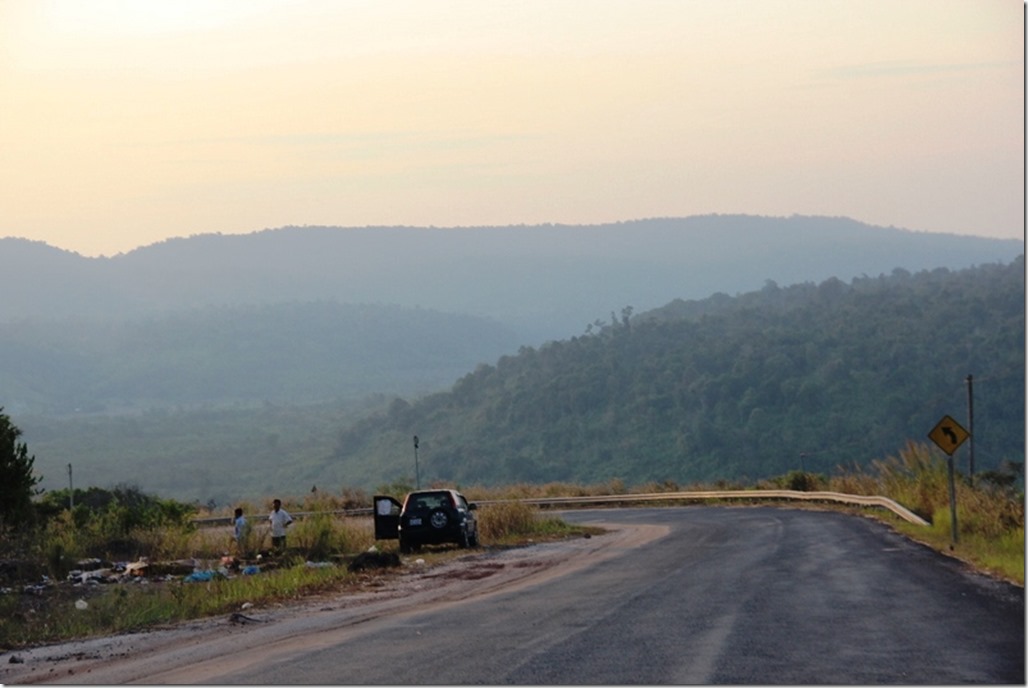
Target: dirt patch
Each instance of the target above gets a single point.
(473, 572)
(196, 651)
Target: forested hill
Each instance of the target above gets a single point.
(542, 282)
(808, 376)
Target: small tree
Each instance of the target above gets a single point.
(17, 483)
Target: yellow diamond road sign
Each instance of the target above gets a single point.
(948, 434)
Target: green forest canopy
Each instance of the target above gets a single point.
(802, 377)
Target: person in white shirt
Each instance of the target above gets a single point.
(280, 519)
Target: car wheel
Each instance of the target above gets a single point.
(473, 540)
(465, 541)
(439, 519)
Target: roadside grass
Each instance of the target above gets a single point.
(119, 608)
(512, 523)
(1002, 556)
(990, 515)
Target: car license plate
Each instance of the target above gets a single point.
(415, 521)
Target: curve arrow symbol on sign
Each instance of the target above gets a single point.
(950, 435)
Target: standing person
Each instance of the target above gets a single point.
(279, 519)
(242, 528)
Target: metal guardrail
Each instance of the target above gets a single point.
(859, 500)
(255, 519)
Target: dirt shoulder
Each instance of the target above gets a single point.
(190, 651)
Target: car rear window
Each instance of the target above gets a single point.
(428, 501)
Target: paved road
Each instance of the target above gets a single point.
(730, 595)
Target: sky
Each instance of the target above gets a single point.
(127, 122)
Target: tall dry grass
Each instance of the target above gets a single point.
(989, 518)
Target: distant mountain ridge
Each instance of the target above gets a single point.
(544, 281)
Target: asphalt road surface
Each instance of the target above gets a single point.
(711, 595)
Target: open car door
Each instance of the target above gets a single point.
(387, 518)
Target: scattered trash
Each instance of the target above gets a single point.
(200, 577)
(419, 562)
(319, 564)
(246, 605)
(179, 567)
(92, 564)
(243, 618)
(138, 568)
(374, 560)
(251, 570)
(94, 577)
(15, 659)
(81, 605)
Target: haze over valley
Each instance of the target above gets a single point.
(197, 353)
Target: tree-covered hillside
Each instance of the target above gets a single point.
(807, 376)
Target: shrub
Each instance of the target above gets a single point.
(320, 536)
(800, 481)
(503, 519)
(317, 537)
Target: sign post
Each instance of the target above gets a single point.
(949, 435)
(417, 471)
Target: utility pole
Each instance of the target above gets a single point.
(417, 472)
(970, 427)
(71, 491)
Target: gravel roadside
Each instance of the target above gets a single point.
(179, 653)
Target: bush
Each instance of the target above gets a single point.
(122, 508)
(317, 537)
(799, 481)
(323, 535)
(118, 524)
(59, 547)
(497, 521)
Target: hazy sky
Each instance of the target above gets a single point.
(126, 122)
